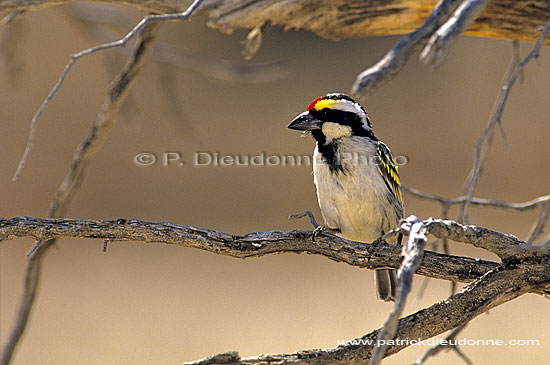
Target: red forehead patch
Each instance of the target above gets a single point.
(311, 105)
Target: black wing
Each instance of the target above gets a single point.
(388, 170)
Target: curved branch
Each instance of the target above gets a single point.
(493, 289)
(495, 284)
(483, 143)
(113, 98)
(466, 13)
(116, 95)
(392, 63)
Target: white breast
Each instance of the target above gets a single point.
(356, 201)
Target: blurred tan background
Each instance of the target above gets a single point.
(139, 303)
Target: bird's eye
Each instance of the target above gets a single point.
(324, 112)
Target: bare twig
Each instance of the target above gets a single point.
(446, 344)
(517, 59)
(440, 41)
(538, 227)
(412, 254)
(75, 57)
(11, 16)
(528, 205)
(303, 214)
(484, 141)
(11, 42)
(117, 92)
(389, 66)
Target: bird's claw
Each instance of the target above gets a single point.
(324, 229)
(317, 228)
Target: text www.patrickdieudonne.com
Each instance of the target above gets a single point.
(442, 342)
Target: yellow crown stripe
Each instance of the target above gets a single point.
(325, 103)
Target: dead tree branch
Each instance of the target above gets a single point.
(464, 15)
(433, 351)
(75, 57)
(390, 65)
(116, 95)
(524, 268)
(339, 19)
(413, 251)
(520, 207)
(538, 227)
(484, 141)
(257, 244)
(525, 272)
(496, 287)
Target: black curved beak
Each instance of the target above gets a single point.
(305, 122)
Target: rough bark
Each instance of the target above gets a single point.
(256, 244)
(337, 19)
(525, 270)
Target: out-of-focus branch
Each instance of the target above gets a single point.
(443, 345)
(339, 19)
(95, 23)
(11, 39)
(484, 141)
(413, 251)
(250, 245)
(528, 205)
(464, 15)
(75, 57)
(538, 227)
(390, 65)
(116, 94)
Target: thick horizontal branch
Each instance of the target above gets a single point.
(493, 284)
(257, 244)
(337, 19)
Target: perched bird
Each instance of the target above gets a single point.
(357, 181)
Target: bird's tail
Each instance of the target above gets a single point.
(385, 284)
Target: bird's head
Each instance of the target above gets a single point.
(334, 116)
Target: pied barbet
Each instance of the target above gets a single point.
(357, 181)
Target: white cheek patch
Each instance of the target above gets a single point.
(335, 130)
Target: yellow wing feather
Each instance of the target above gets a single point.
(389, 171)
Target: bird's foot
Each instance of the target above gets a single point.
(324, 229)
(317, 228)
